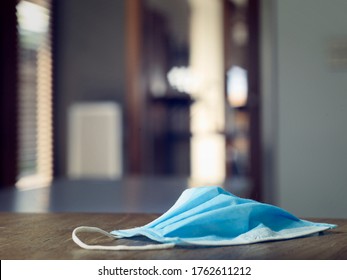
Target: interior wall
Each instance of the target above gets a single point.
(89, 59)
(269, 100)
(310, 55)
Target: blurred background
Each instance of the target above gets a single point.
(119, 105)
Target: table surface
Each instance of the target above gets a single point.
(48, 236)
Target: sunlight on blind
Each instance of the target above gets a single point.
(35, 94)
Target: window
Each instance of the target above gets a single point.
(35, 94)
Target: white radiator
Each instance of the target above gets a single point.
(95, 141)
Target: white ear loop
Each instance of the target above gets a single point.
(83, 245)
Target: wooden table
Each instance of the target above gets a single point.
(48, 236)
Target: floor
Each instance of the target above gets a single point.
(132, 195)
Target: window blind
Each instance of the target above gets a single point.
(35, 94)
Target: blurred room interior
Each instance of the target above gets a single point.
(119, 105)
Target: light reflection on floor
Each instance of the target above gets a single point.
(134, 195)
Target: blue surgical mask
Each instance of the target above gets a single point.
(211, 216)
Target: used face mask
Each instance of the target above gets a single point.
(211, 216)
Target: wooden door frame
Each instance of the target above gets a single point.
(254, 105)
(134, 91)
(255, 100)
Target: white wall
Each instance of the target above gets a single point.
(90, 63)
(311, 97)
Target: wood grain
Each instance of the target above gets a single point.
(48, 236)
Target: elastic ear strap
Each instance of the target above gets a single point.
(83, 245)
